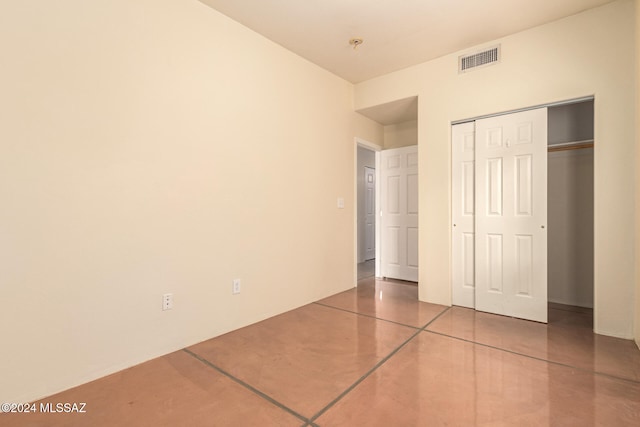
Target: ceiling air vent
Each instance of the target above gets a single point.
(479, 59)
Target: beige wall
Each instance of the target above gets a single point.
(401, 134)
(637, 85)
(586, 54)
(153, 146)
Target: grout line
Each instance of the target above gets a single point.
(362, 378)
(365, 315)
(566, 365)
(435, 318)
(248, 386)
(375, 367)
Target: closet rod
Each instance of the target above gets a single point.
(571, 146)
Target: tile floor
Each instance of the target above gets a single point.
(366, 269)
(375, 356)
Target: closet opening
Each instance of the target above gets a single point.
(523, 211)
(570, 207)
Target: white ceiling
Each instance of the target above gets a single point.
(396, 33)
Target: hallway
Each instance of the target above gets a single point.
(375, 355)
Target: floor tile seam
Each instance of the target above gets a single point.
(366, 315)
(365, 376)
(540, 359)
(248, 386)
(435, 318)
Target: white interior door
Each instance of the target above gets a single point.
(369, 213)
(399, 176)
(463, 220)
(511, 215)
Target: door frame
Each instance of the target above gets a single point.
(473, 119)
(518, 110)
(359, 142)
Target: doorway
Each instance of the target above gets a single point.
(400, 131)
(366, 190)
(571, 205)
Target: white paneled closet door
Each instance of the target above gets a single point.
(511, 215)
(463, 208)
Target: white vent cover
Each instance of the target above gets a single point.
(479, 59)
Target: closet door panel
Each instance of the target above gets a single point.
(494, 187)
(463, 213)
(511, 215)
(494, 263)
(467, 188)
(524, 185)
(524, 264)
(468, 260)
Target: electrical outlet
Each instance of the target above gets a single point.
(236, 286)
(167, 302)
